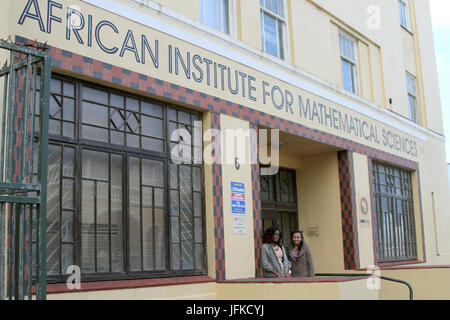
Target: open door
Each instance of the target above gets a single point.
(279, 202)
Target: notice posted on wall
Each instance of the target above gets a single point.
(238, 206)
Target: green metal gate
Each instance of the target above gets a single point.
(23, 195)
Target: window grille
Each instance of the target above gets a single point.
(120, 207)
(394, 208)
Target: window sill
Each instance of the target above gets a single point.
(407, 30)
(127, 284)
(327, 279)
(411, 267)
(397, 264)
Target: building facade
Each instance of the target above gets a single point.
(160, 184)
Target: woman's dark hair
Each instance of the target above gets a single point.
(302, 237)
(268, 235)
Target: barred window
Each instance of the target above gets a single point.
(394, 209)
(120, 205)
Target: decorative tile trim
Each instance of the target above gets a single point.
(375, 241)
(348, 210)
(219, 232)
(257, 216)
(95, 69)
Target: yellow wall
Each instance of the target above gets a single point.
(250, 23)
(435, 203)
(364, 221)
(320, 208)
(427, 66)
(239, 248)
(351, 290)
(427, 284)
(204, 291)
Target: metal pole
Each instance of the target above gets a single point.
(41, 272)
(411, 295)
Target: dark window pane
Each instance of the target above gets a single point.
(69, 89)
(54, 127)
(95, 114)
(103, 249)
(53, 209)
(68, 130)
(147, 228)
(152, 127)
(174, 203)
(160, 229)
(117, 137)
(196, 179)
(67, 256)
(88, 227)
(152, 109)
(95, 165)
(55, 107)
(152, 173)
(116, 214)
(95, 95)
(69, 109)
(198, 204)
(55, 86)
(69, 162)
(152, 144)
(135, 215)
(132, 104)
(175, 259)
(95, 133)
(117, 100)
(184, 117)
(133, 140)
(68, 194)
(67, 226)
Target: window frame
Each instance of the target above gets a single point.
(226, 27)
(80, 143)
(282, 44)
(353, 63)
(405, 20)
(412, 97)
(401, 249)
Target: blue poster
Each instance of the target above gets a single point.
(237, 198)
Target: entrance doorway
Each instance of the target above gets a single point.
(279, 202)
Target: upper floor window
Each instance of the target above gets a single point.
(349, 62)
(412, 97)
(272, 27)
(215, 13)
(404, 15)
